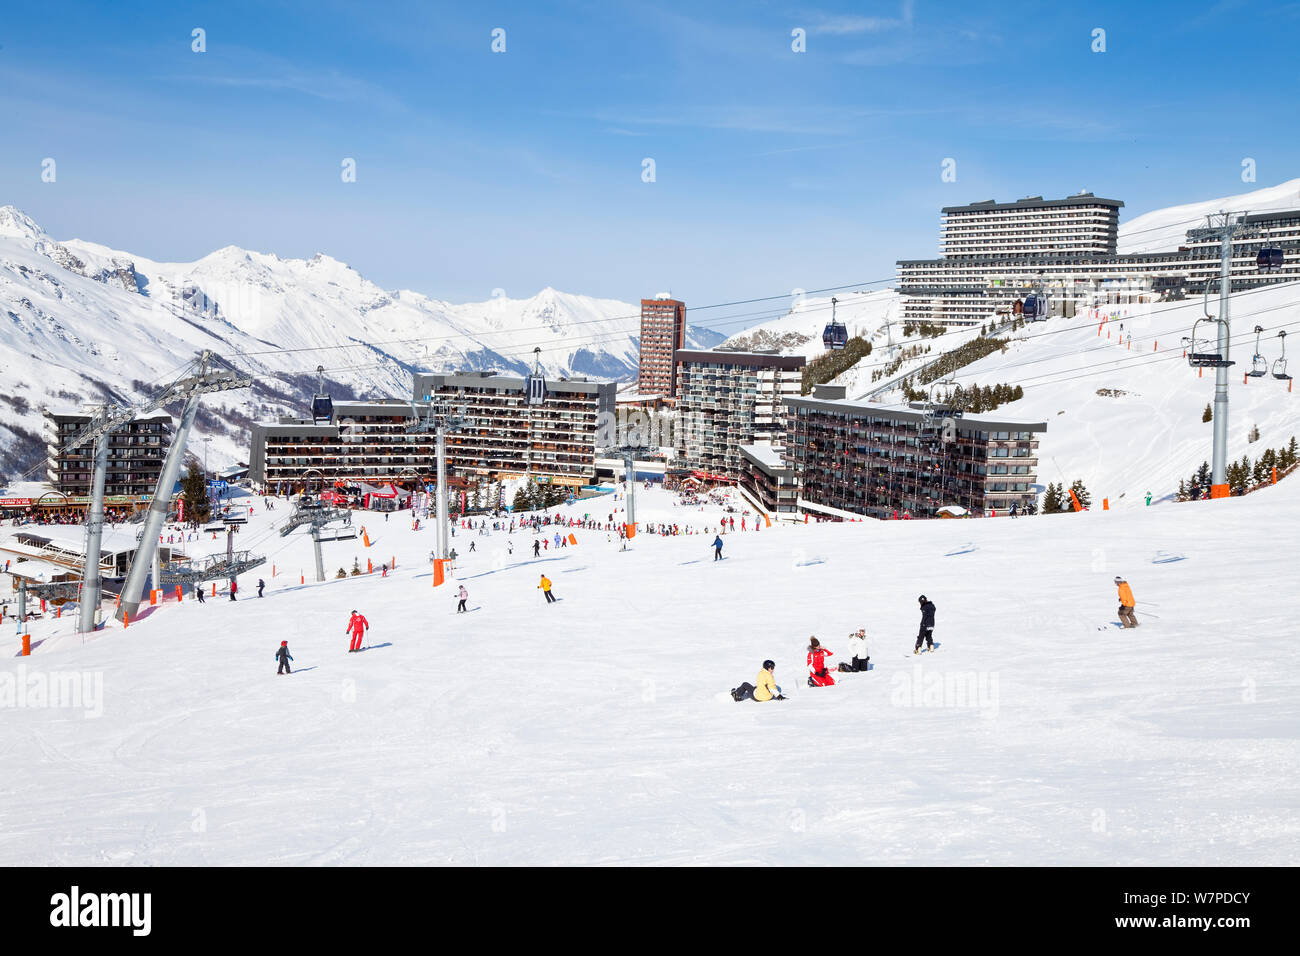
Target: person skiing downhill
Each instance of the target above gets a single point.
(464, 596)
(1126, 603)
(234, 586)
(261, 586)
(765, 690)
(284, 657)
(818, 675)
(926, 633)
(357, 626)
(717, 548)
(537, 548)
(546, 589)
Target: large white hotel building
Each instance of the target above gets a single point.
(994, 254)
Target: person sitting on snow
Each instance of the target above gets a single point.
(858, 648)
(766, 689)
(818, 675)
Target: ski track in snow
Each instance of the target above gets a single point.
(598, 730)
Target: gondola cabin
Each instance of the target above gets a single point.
(1269, 259)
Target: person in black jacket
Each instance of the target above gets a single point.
(926, 633)
(284, 657)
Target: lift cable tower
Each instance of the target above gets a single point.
(316, 515)
(199, 378)
(439, 419)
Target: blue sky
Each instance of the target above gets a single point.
(479, 170)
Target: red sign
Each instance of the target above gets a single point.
(15, 502)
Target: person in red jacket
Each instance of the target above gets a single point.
(357, 627)
(818, 675)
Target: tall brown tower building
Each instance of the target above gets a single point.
(663, 331)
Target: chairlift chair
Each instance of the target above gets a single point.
(1279, 366)
(1259, 364)
(835, 336)
(1200, 354)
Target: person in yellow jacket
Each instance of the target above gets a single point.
(766, 689)
(1126, 603)
(546, 589)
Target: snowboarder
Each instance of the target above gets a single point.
(765, 690)
(357, 626)
(858, 648)
(284, 657)
(926, 633)
(717, 548)
(261, 585)
(546, 589)
(464, 596)
(1126, 603)
(818, 675)
(234, 586)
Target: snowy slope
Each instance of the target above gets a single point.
(1166, 229)
(599, 730)
(99, 322)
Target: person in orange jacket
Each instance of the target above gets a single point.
(546, 589)
(1126, 603)
(357, 627)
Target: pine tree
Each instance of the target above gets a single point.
(1182, 490)
(1202, 477)
(1292, 453)
(1081, 492)
(1208, 414)
(1052, 499)
(521, 500)
(194, 487)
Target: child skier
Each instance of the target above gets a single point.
(464, 596)
(357, 626)
(284, 657)
(818, 675)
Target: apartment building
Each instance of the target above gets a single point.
(502, 436)
(994, 254)
(663, 331)
(728, 399)
(887, 461)
(135, 454)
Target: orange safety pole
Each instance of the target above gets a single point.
(153, 597)
(370, 567)
(302, 579)
(214, 588)
(1105, 504)
(178, 593)
(1275, 474)
(126, 620)
(27, 645)
(273, 570)
(439, 576)
(392, 563)
(1075, 499)
(1200, 372)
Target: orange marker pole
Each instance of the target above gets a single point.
(27, 645)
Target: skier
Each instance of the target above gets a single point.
(537, 548)
(818, 675)
(1126, 603)
(284, 657)
(766, 689)
(717, 548)
(1148, 498)
(471, 545)
(464, 596)
(198, 591)
(546, 589)
(260, 586)
(357, 626)
(233, 588)
(858, 648)
(926, 633)
(510, 547)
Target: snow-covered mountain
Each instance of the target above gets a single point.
(1166, 229)
(84, 322)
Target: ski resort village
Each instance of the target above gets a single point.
(859, 433)
(982, 567)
